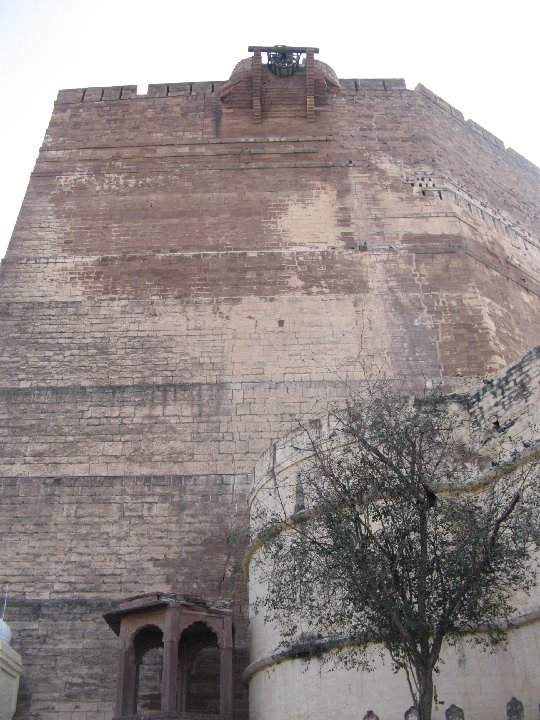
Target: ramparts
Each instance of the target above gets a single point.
(206, 88)
(182, 285)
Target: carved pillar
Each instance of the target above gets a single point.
(183, 670)
(310, 85)
(256, 75)
(169, 682)
(226, 698)
(126, 684)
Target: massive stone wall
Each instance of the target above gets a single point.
(181, 286)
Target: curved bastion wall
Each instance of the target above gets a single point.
(500, 419)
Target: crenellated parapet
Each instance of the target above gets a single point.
(129, 92)
(97, 94)
(279, 100)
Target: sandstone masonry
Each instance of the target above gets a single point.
(183, 284)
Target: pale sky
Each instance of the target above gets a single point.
(480, 56)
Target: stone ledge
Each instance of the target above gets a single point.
(164, 715)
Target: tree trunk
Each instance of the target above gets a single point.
(425, 694)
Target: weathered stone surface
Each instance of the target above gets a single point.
(182, 285)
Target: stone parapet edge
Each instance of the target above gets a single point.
(315, 648)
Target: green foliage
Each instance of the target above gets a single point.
(395, 540)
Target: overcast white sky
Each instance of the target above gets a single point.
(480, 56)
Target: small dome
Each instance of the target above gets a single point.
(5, 632)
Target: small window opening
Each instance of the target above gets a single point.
(149, 658)
(201, 657)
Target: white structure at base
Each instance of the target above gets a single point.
(10, 672)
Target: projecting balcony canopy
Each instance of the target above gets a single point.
(182, 625)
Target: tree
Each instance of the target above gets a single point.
(395, 531)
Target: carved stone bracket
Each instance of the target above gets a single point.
(256, 74)
(285, 52)
(310, 85)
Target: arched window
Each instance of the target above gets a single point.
(200, 658)
(148, 644)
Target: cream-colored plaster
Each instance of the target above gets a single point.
(501, 421)
(480, 683)
(10, 672)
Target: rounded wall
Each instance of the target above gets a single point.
(284, 686)
(480, 683)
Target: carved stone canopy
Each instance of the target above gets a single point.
(183, 624)
(282, 87)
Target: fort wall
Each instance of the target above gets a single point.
(181, 286)
(500, 421)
